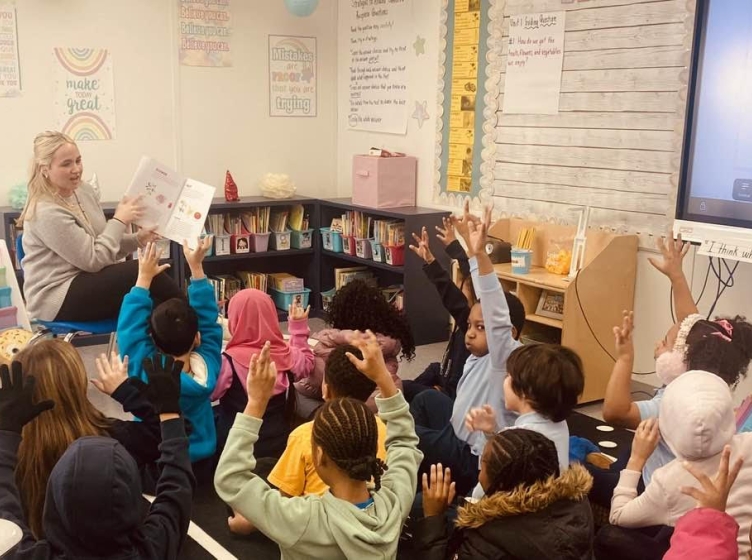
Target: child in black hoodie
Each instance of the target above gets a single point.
(530, 509)
(93, 507)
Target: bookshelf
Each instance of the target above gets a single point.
(591, 306)
(428, 318)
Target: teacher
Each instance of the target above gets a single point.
(71, 268)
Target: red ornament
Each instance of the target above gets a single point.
(231, 189)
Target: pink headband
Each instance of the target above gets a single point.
(727, 327)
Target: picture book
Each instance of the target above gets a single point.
(175, 205)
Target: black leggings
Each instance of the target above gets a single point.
(96, 296)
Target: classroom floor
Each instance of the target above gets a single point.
(209, 536)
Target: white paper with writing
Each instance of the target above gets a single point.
(379, 58)
(730, 249)
(536, 52)
(10, 73)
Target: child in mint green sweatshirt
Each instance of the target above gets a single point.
(353, 519)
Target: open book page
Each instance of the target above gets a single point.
(190, 212)
(160, 188)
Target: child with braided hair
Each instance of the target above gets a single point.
(530, 509)
(351, 520)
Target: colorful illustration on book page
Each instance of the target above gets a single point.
(463, 68)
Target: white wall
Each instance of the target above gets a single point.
(200, 120)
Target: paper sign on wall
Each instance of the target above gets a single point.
(292, 76)
(536, 52)
(379, 40)
(10, 70)
(84, 93)
(204, 33)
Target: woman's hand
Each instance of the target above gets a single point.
(439, 495)
(714, 493)
(147, 235)
(262, 377)
(17, 407)
(112, 373)
(296, 312)
(645, 441)
(422, 248)
(129, 210)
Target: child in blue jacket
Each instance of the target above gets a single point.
(186, 330)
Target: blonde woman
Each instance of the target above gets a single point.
(71, 264)
(61, 377)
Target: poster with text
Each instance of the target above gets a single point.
(292, 76)
(10, 69)
(379, 38)
(84, 93)
(204, 33)
(536, 51)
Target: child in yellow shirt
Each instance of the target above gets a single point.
(294, 474)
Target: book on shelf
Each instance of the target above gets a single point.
(255, 280)
(298, 218)
(175, 205)
(284, 282)
(278, 220)
(389, 232)
(336, 225)
(256, 220)
(343, 276)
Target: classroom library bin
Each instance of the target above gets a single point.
(363, 248)
(260, 242)
(428, 319)
(585, 309)
(301, 239)
(377, 251)
(280, 241)
(283, 300)
(331, 240)
(348, 245)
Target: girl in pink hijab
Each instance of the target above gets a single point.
(253, 321)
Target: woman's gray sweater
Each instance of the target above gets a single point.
(59, 245)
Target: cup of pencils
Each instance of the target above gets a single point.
(522, 251)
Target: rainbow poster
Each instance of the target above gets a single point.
(292, 76)
(84, 93)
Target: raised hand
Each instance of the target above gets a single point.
(623, 336)
(714, 493)
(672, 252)
(195, 257)
(147, 235)
(148, 265)
(262, 377)
(129, 210)
(17, 407)
(478, 233)
(439, 494)
(163, 390)
(296, 312)
(372, 365)
(446, 234)
(482, 420)
(462, 223)
(112, 373)
(645, 441)
(422, 249)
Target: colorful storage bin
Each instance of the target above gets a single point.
(348, 245)
(280, 241)
(301, 239)
(283, 300)
(363, 248)
(395, 254)
(260, 242)
(377, 251)
(8, 318)
(326, 298)
(331, 240)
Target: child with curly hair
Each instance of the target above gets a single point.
(356, 307)
(351, 520)
(531, 509)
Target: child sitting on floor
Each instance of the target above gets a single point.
(696, 421)
(187, 331)
(542, 385)
(356, 306)
(351, 520)
(491, 337)
(60, 376)
(295, 473)
(253, 320)
(457, 301)
(530, 509)
(93, 505)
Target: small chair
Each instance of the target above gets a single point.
(92, 332)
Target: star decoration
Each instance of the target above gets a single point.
(419, 45)
(421, 112)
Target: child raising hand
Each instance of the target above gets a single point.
(352, 519)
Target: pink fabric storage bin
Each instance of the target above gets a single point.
(8, 317)
(384, 182)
